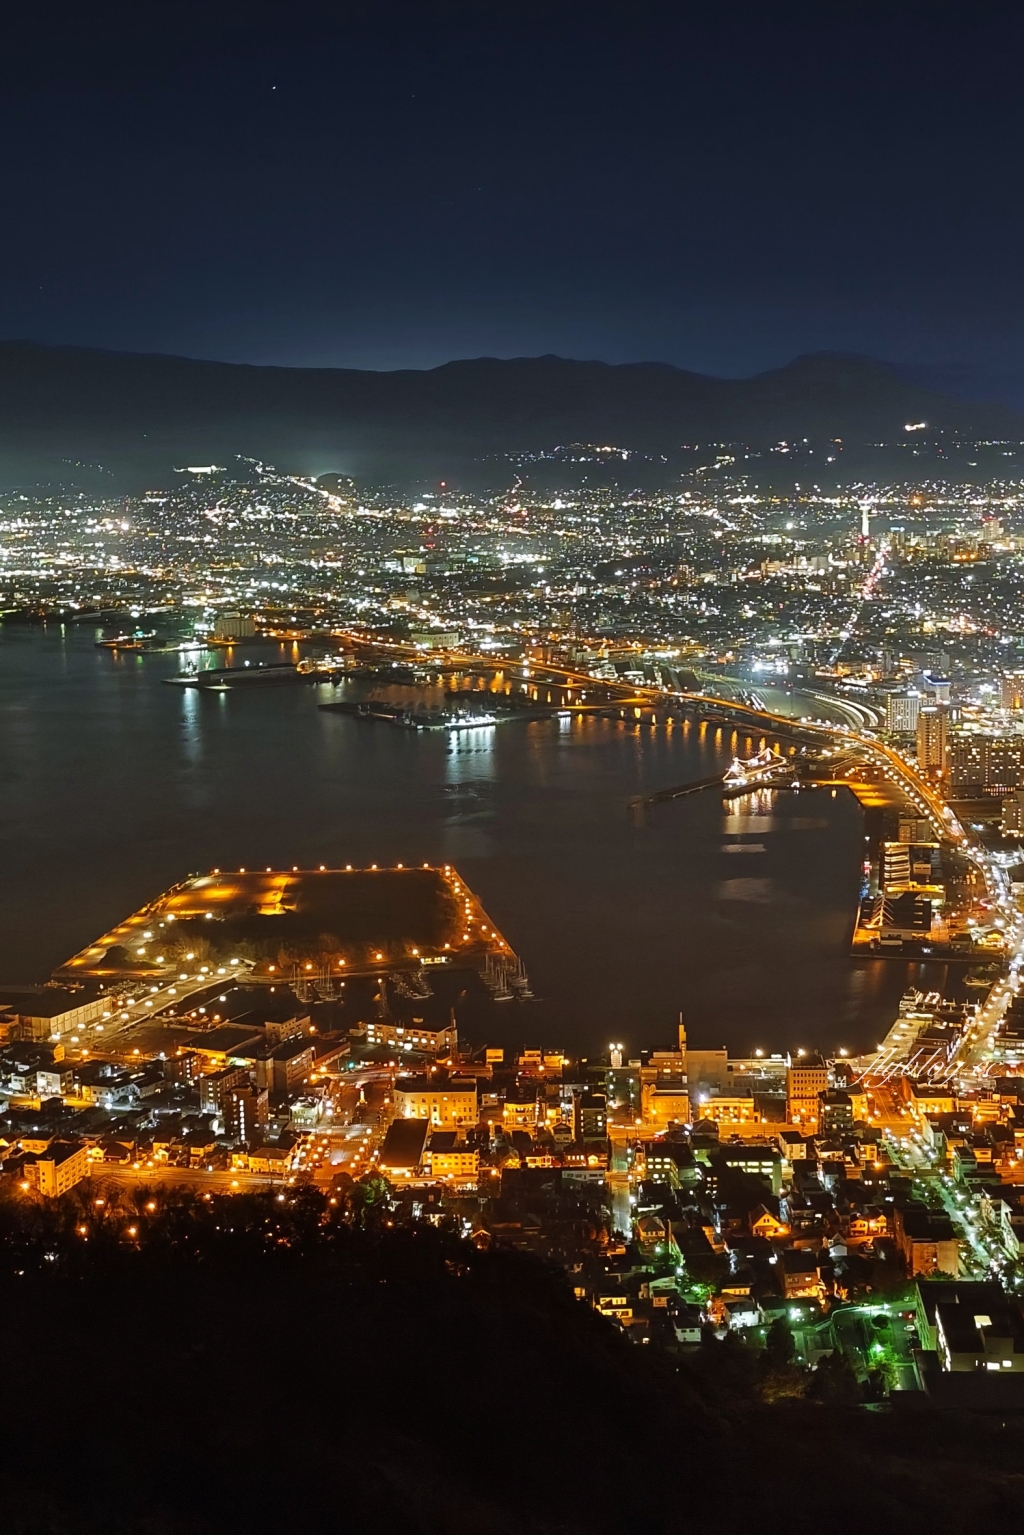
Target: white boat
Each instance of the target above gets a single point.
(471, 722)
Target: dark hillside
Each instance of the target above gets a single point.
(74, 406)
(241, 1366)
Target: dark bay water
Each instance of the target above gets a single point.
(114, 785)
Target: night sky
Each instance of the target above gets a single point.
(386, 185)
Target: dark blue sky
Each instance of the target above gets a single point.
(387, 185)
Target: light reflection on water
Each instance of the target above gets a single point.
(115, 785)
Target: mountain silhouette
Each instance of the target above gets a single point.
(78, 405)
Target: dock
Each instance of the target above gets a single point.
(766, 770)
(220, 677)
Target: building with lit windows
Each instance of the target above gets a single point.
(233, 626)
(411, 1037)
(925, 1098)
(932, 736)
(984, 764)
(669, 1162)
(759, 1159)
(449, 1159)
(901, 713)
(590, 1116)
(908, 865)
(806, 1080)
(521, 1109)
(669, 1105)
(1013, 813)
(728, 1109)
(448, 1102)
(245, 1109)
(59, 1168)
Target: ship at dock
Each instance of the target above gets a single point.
(219, 678)
(375, 710)
(145, 642)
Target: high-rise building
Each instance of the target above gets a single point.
(984, 764)
(214, 1087)
(836, 1112)
(1013, 813)
(590, 1115)
(938, 689)
(902, 711)
(1011, 692)
(932, 736)
(806, 1079)
(245, 1109)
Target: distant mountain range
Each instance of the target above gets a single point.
(75, 407)
(968, 382)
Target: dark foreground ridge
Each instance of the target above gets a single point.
(205, 1363)
(73, 405)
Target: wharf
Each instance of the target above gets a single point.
(679, 791)
(766, 770)
(336, 924)
(234, 676)
(728, 791)
(411, 719)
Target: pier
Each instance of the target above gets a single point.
(768, 769)
(219, 677)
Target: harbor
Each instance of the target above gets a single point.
(721, 901)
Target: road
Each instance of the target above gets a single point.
(220, 1181)
(871, 580)
(934, 1185)
(618, 1180)
(149, 1000)
(976, 1053)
